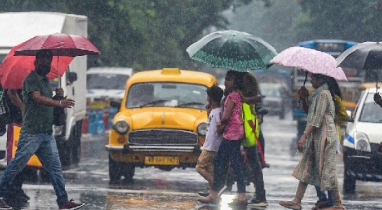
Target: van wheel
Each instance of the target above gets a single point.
(349, 181)
(64, 153)
(76, 144)
(115, 170)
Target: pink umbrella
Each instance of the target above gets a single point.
(310, 60)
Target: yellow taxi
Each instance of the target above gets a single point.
(161, 122)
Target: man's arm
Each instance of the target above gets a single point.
(38, 98)
(15, 99)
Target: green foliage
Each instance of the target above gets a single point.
(355, 20)
(274, 24)
(144, 34)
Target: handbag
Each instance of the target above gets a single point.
(251, 126)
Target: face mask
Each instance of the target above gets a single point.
(43, 70)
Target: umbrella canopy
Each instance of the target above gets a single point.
(233, 50)
(14, 69)
(366, 55)
(310, 60)
(59, 44)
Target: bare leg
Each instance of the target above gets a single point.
(300, 192)
(206, 175)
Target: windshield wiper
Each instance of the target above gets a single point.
(154, 102)
(189, 104)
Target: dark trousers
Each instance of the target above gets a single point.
(253, 162)
(229, 151)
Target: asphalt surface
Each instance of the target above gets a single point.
(177, 189)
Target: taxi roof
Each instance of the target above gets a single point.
(173, 75)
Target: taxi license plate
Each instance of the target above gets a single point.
(161, 160)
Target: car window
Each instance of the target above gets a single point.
(271, 91)
(106, 81)
(167, 94)
(371, 112)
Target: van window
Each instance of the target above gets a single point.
(371, 112)
(106, 81)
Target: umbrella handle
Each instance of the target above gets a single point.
(58, 73)
(306, 78)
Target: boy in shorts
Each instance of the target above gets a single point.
(205, 165)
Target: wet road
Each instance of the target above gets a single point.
(156, 189)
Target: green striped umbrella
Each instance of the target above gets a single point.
(232, 50)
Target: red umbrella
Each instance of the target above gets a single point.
(14, 69)
(59, 44)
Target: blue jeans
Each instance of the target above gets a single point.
(44, 146)
(228, 151)
(322, 196)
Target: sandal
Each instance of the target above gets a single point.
(208, 200)
(290, 205)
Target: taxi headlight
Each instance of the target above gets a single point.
(121, 127)
(202, 129)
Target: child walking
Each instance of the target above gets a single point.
(233, 132)
(205, 165)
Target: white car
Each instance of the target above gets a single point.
(362, 152)
(107, 83)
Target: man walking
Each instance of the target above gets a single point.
(36, 132)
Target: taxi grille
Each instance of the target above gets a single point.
(163, 137)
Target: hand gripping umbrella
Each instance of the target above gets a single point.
(60, 45)
(310, 60)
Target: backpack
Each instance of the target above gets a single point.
(251, 126)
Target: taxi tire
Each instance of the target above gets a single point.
(128, 171)
(115, 170)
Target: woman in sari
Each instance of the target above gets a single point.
(316, 166)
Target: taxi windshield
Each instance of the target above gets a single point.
(371, 112)
(170, 94)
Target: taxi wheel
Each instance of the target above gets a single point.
(115, 170)
(128, 171)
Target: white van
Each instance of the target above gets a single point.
(107, 83)
(362, 152)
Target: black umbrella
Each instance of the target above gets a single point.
(366, 55)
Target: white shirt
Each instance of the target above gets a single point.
(213, 139)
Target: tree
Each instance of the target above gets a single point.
(274, 24)
(355, 20)
(144, 34)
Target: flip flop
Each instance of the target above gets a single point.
(290, 205)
